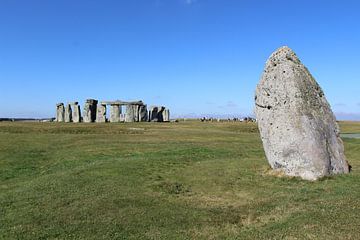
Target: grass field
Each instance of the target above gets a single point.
(186, 180)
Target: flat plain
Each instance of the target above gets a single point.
(185, 180)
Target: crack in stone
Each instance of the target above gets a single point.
(261, 106)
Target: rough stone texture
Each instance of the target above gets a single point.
(89, 114)
(68, 113)
(132, 113)
(101, 113)
(143, 113)
(298, 129)
(122, 117)
(115, 113)
(156, 114)
(166, 115)
(60, 112)
(76, 114)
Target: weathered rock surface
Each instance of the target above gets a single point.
(156, 114)
(76, 113)
(89, 114)
(132, 113)
(101, 113)
(143, 113)
(298, 129)
(68, 113)
(115, 113)
(60, 112)
(166, 115)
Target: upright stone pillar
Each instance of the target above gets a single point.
(76, 114)
(68, 113)
(60, 112)
(89, 114)
(298, 129)
(130, 113)
(143, 113)
(115, 113)
(101, 113)
(166, 115)
(153, 114)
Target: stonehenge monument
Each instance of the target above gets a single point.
(299, 131)
(95, 111)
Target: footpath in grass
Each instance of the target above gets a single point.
(186, 180)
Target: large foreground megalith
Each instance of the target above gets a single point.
(297, 127)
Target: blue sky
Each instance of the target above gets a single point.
(198, 57)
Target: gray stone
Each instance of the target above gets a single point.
(156, 114)
(115, 112)
(297, 127)
(60, 112)
(101, 113)
(89, 114)
(166, 115)
(76, 113)
(132, 113)
(68, 113)
(143, 113)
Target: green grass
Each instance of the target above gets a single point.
(187, 180)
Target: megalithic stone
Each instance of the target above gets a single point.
(131, 114)
(68, 113)
(76, 114)
(89, 114)
(143, 113)
(153, 114)
(115, 112)
(166, 115)
(299, 131)
(101, 113)
(60, 112)
(160, 116)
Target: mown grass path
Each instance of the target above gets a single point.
(187, 180)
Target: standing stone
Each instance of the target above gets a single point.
(68, 113)
(132, 113)
(115, 112)
(143, 113)
(153, 114)
(76, 115)
(101, 113)
(60, 112)
(166, 115)
(156, 114)
(89, 114)
(297, 127)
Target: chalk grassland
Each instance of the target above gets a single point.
(187, 180)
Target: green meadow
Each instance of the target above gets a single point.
(186, 180)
